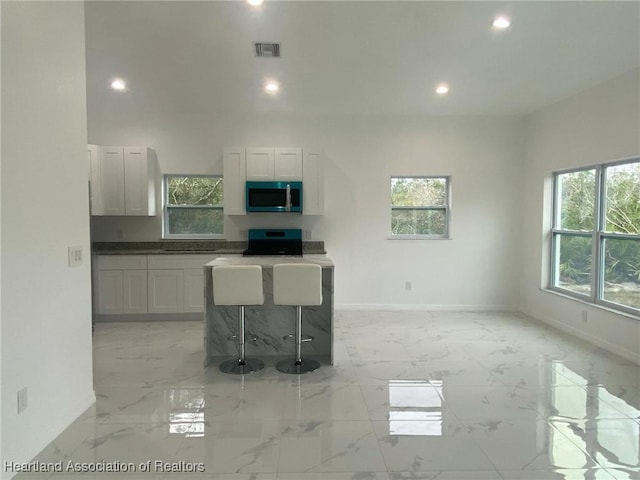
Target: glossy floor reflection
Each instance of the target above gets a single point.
(447, 396)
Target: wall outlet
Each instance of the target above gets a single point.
(407, 286)
(585, 319)
(23, 400)
(75, 256)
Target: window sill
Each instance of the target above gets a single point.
(599, 306)
(418, 237)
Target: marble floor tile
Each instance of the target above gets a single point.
(324, 402)
(624, 473)
(557, 474)
(339, 446)
(135, 443)
(532, 444)
(234, 446)
(334, 476)
(429, 445)
(447, 475)
(250, 400)
(411, 395)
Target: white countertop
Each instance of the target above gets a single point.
(270, 261)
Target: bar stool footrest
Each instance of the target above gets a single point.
(305, 338)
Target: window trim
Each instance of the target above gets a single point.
(598, 236)
(446, 208)
(166, 207)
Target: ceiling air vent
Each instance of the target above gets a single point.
(263, 49)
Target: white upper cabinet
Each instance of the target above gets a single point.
(312, 183)
(234, 174)
(139, 182)
(111, 166)
(266, 164)
(287, 164)
(95, 183)
(260, 164)
(123, 181)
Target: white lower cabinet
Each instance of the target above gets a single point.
(194, 290)
(150, 284)
(122, 284)
(166, 291)
(135, 291)
(176, 283)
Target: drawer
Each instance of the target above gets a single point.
(122, 262)
(178, 261)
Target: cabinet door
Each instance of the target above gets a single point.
(95, 184)
(112, 178)
(194, 290)
(234, 177)
(135, 291)
(110, 292)
(260, 166)
(166, 291)
(312, 183)
(136, 180)
(288, 164)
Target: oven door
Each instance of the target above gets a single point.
(274, 197)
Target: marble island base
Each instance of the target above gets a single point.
(269, 323)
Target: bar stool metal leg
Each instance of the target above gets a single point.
(298, 365)
(241, 365)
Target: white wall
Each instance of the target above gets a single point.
(601, 124)
(479, 267)
(46, 306)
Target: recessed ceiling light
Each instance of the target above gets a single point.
(255, 3)
(118, 84)
(271, 87)
(501, 22)
(442, 89)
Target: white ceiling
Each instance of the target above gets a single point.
(358, 57)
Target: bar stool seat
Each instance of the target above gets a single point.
(297, 284)
(239, 285)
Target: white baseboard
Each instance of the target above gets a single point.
(587, 337)
(425, 308)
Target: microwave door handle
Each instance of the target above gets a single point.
(287, 205)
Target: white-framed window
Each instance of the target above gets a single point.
(420, 207)
(595, 237)
(192, 206)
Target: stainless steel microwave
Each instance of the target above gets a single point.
(274, 197)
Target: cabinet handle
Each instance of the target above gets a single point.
(287, 205)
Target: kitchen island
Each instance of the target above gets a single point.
(269, 322)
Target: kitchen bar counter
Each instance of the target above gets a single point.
(269, 322)
(168, 247)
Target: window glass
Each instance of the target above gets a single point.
(573, 263)
(193, 206)
(623, 198)
(420, 206)
(622, 271)
(577, 193)
(418, 192)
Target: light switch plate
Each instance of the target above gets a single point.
(75, 256)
